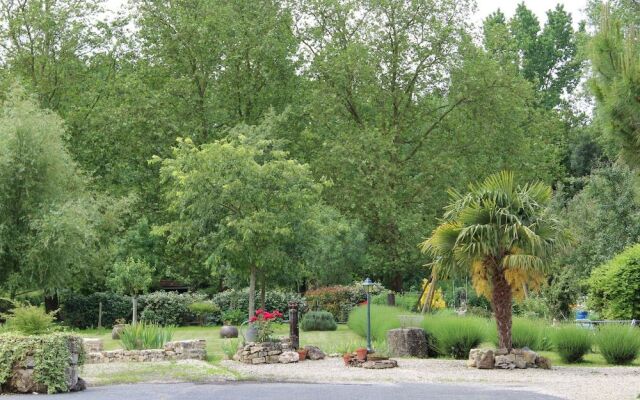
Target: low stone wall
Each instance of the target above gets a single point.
(262, 352)
(178, 350)
(516, 358)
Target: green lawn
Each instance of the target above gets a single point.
(330, 342)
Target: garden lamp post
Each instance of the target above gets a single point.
(367, 286)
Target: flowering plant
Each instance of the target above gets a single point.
(262, 321)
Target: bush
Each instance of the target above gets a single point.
(454, 336)
(6, 305)
(80, 311)
(203, 309)
(168, 308)
(339, 300)
(143, 336)
(29, 320)
(525, 332)
(234, 317)
(383, 318)
(239, 300)
(614, 287)
(571, 342)
(230, 347)
(618, 344)
(318, 321)
(50, 357)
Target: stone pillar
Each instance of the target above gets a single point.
(391, 299)
(408, 342)
(294, 330)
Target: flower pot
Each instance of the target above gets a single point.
(228, 331)
(361, 354)
(347, 359)
(303, 354)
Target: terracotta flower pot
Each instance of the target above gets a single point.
(303, 354)
(361, 354)
(347, 359)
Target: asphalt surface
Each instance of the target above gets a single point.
(298, 391)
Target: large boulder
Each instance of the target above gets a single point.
(314, 353)
(407, 342)
(289, 357)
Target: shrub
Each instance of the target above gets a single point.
(618, 344)
(6, 305)
(203, 309)
(614, 287)
(234, 317)
(318, 321)
(454, 336)
(80, 311)
(525, 332)
(230, 347)
(50, 355)
(339, 300)
(383, 318)
(29, 320)
(274, 300)
(143, 336)
(168, 308)
(571, 342)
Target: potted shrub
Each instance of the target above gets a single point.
(346, 357)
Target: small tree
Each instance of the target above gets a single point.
(131, 277)
(503, 234)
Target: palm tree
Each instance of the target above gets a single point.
(501, 233)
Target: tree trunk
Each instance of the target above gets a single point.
(263, 293)
(426, 307)
(501, 303)
(252, 292)
(134, 300)
(51, 304)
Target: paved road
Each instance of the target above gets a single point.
(298, 391)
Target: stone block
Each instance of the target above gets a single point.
(289, 357)
(258, 360)
(314, 353)
(409, 342)
(471, 362)
(485, 359)
(92, 345)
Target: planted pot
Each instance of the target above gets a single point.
(303, 354)
(361, 354)
(228, 332)
(346, 357)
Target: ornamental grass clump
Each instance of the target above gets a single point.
(571, 342)
(383, 318)
(144, 336)
(29, 320)
(618, 344)
(455, 336)
(318, 321)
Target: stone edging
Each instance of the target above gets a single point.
(178, 350)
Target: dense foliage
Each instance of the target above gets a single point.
(572, 342)
(29, 320)
(81, 311)
(144, 336)
(618, 344)
(318, 321)
(338, 300)
(614, 287)
(168, 308)
(51, 356)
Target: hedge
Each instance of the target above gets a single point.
(338, 300)
(81, 311)
(169, 308)
(274, 300)
(51, 356)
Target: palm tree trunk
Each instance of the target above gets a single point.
(426, 307)
(501, 303)
(252, 291)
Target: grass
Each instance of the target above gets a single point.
(571, 342)
(619, 344)
(455, 336)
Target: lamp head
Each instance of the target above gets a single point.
(367, 284)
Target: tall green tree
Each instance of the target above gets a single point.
(46, 230)
(502, 234)
(242, 203)
(546, 56)
(131, 277)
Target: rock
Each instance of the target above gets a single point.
(530, 357)
(485, 359)
(407, 342)
(22, 382)
(506, 362)
(501, 352)
(289, 357)
(543, 362)
(520, 362)
(380, 364)
(93, 345)
(314, 353)
(79, 386)
(258, 360)
(472, 358)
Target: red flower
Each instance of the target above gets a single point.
(267, 315)
(253, 319)
(259, 311)
(277, 314)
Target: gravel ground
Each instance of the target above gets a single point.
(575, 383)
